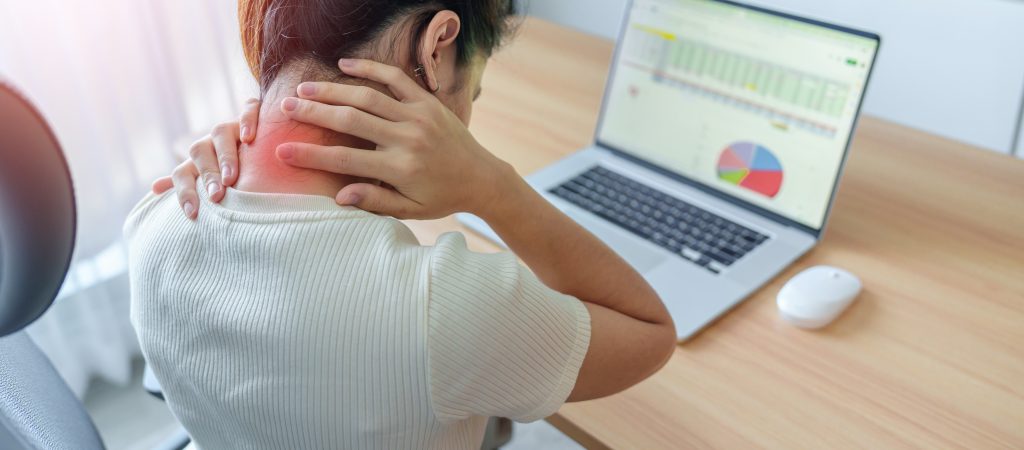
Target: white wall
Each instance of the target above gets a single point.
(951, 67)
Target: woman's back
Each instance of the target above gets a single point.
(285, 321)
(282, 320)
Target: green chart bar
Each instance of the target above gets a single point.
(667, 52)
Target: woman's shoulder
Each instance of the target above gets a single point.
(452, 253)
(144, 208)
(455, 267)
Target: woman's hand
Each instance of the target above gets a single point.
(215, 159)
(424, 152)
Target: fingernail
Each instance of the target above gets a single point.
(213, 188)
(347, 63)
(307, 89)
(285, 152)
(225, 171)
(190, 210)
(245, 133)
(352, 199)
(290, 104)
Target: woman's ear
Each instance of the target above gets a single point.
(437, 47)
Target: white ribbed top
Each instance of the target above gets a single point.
(285, 321)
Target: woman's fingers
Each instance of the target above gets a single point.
(184, 179)
(204, 157)
(341, 160)
(378, 200)
(249, 120)
(343, 119)
(400, 84)
(362, 97)
(162, 185)
(225, 142)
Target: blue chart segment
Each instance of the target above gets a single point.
(751, 166)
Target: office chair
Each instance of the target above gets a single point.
(37, 235)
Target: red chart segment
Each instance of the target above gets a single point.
(751, 166)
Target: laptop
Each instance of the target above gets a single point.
(722, 138)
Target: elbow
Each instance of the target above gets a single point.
(665, 343)
(661, 345)
(614, 373)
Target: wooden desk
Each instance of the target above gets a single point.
(931, 355)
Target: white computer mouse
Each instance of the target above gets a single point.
(816, 296)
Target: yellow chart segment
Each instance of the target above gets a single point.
(660, 33)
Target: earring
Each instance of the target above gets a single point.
(421, 73)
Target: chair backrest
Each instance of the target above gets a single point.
(37, 213)
(37, 235)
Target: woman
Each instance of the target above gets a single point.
(298, 312)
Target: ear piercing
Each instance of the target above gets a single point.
(421, 73)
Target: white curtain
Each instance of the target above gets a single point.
(126, 85)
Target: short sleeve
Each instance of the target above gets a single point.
(500, 342)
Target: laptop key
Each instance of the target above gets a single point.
(692, 254)
(716, 267)
(720, 257)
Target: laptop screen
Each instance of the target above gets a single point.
(755, 105)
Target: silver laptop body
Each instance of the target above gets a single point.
(722, 138)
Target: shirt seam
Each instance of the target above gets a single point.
(427, 340)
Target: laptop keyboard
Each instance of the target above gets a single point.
(706, 239)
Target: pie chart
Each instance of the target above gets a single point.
(751, 166)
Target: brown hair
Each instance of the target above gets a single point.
(277, 32)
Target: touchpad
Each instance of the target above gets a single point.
(642, 259)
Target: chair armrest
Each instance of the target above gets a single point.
(151, 384)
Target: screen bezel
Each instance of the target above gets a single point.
(761, 211)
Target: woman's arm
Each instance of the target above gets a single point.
(632, 334)
(436, 168)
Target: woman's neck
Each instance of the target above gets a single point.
(261, 171)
